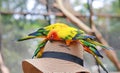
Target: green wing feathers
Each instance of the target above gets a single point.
(40, 32)
(91, 47)
(40, 46)
(97, 44)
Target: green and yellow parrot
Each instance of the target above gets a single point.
(57, 31)
(63, 32)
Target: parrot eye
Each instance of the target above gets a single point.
(52, 37)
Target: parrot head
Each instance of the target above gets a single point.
(53, 35)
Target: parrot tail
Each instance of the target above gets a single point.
(100, 63)
(26, 38)
(93, 49)
(98, 60)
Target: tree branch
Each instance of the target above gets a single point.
(58, 14)
(73, 18)
(110, 53)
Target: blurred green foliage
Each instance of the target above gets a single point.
(14, 52)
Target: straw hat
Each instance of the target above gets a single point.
(57, 58)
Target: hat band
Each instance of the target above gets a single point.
(63, 56)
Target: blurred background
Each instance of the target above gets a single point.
(20, 17)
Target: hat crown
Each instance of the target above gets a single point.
(51, 65)
(74, 48)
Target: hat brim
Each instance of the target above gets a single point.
(50, 65)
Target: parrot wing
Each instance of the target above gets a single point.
(39, 33)
(81, 35)
(91, 47)
(98, 44)
(40, 48)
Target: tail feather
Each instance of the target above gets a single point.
(100, 63)
(96, 51)
(96, 58)
(26, 38)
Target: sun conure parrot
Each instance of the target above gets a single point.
(63, 32)
(55, 32)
